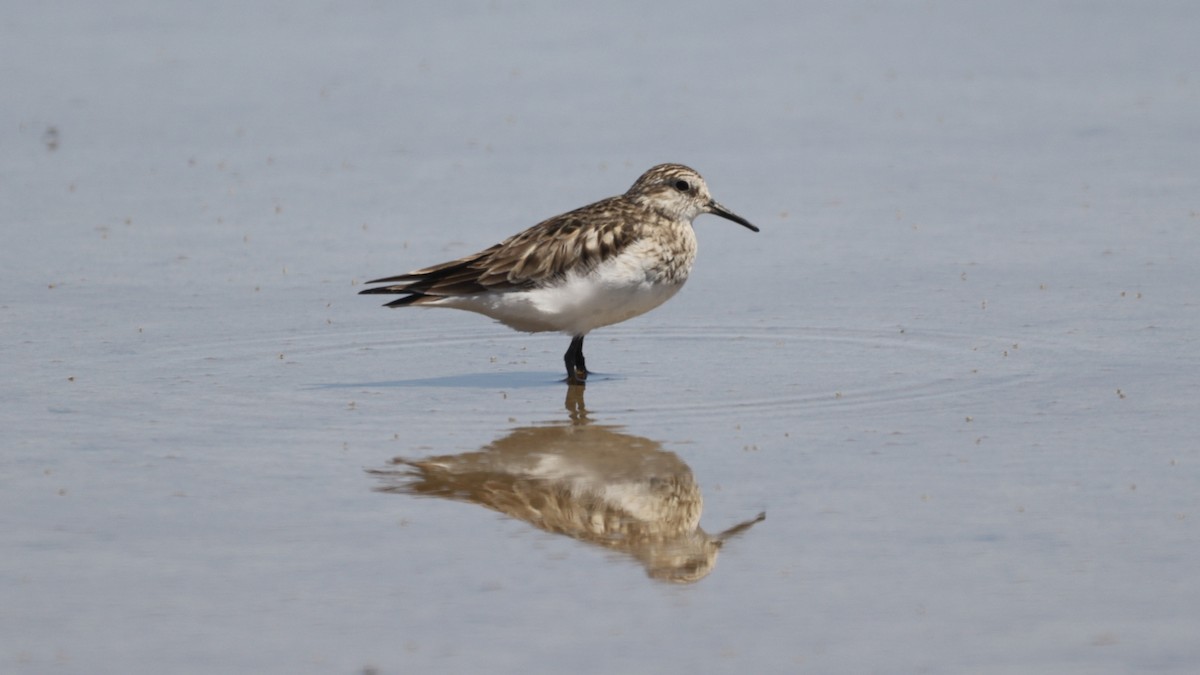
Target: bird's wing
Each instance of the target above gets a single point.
(577, 240)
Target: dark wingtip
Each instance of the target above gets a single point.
(406, 300)
(382, 290)
(410, 296)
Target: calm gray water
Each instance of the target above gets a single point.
(956, 369)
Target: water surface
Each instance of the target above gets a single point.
(955, 369)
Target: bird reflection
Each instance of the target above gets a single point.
(587, 481)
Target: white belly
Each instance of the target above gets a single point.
(617, 290)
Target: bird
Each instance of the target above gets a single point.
(595, 266)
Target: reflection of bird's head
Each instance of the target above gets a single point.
(689, 557)
(683, 560)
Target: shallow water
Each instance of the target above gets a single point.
(955, 370)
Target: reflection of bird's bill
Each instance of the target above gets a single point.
(734, 531)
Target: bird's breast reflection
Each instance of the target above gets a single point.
(588, 481)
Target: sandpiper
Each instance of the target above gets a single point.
(595, 266)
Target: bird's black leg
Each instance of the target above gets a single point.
(576, 370)
(580, 366)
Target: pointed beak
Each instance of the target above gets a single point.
(718, 210)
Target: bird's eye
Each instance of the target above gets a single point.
(682, 185)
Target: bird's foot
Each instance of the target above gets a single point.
(577, 375)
